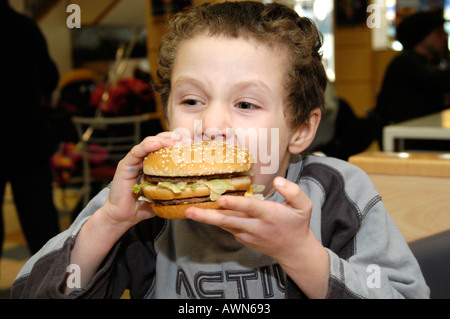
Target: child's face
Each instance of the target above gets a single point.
(230, 89)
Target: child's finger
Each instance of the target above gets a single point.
(250, 206)
(131, 165)
(151, 144)
(179, 136)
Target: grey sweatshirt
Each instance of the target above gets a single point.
(369, 258)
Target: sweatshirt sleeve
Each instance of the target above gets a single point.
(46, 271)
(369, 257)
(383, 266)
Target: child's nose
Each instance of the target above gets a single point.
(215, 123)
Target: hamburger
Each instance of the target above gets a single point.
(182, 176)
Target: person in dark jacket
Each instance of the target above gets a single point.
(29, 77)
(416, 81)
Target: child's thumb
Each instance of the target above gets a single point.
(294, 195)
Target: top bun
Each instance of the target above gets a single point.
(205, 158)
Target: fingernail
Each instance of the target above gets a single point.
(188, 213)
(222, 202)
(279, 181)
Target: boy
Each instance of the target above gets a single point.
(322, 230)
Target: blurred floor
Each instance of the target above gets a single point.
(15, 251)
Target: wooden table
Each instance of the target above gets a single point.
(415, 188)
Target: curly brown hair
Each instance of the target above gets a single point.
(272, 24)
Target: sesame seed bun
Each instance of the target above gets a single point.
(177, 211)
(205, 158)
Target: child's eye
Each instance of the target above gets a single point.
(246, 106)
(191, 102)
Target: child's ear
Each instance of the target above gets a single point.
(305, 133)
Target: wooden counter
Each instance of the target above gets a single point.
(415, 189)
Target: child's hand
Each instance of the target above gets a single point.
(281, 231)
(269, 227)
(122, 207)
(121, 211)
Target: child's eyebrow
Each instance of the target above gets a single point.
(256, 84)
(183, 80)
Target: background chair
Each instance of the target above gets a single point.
(104, 141)
(433, 255)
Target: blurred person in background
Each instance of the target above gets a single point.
(417, 81)
(29, 78)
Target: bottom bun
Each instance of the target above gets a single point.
(177, 211)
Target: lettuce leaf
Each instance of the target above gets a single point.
(144, 199)
(218, 187)
(255, 188)
(176, 188)
(138, 187)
